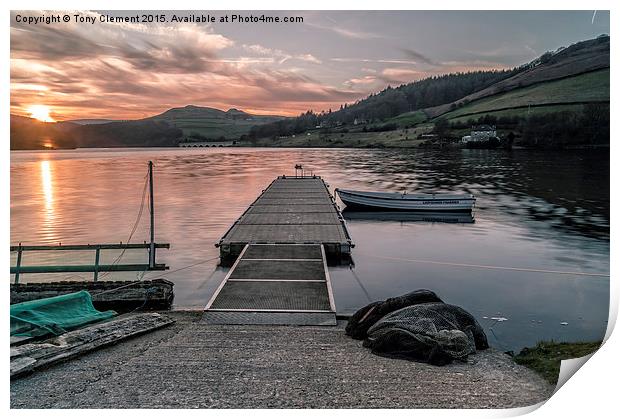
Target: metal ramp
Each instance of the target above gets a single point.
(275, 284)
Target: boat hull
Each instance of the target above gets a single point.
(452, 217)
(402, 202)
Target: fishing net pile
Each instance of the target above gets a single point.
(418, 326)
(55, 315)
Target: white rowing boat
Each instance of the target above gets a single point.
(406, 202)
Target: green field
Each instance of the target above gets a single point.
(214, 128)
(401, 138)
(534, 111)
(588, 87)
(409, 118)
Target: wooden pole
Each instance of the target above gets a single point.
(96, 273)
(18, 264)
(152, 207)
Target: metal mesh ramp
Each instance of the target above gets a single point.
(275, 284)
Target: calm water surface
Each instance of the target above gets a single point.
(536, 210)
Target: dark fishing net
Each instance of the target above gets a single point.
(436, 333)
(364, 318)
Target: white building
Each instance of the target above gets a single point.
(480, 133)
(483, 132)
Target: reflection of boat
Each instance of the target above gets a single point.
(405, 201)
(411, 216)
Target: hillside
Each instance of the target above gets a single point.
(529, 102)
(582, 57)
(390, 102)
(591, 87)
(202, 123)
(128, 134)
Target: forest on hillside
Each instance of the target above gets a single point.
(390, 102)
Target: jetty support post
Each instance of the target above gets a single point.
(152, 208)
(18, 263)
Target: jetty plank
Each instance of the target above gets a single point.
(288, 208)
(299, 218)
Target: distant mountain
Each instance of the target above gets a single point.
(163, 130)
(203, 123)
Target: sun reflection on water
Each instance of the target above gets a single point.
(47, 189)
(46, 184)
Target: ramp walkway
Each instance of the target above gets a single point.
(275, 284)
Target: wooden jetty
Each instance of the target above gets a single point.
(292, 210)
(282, 243)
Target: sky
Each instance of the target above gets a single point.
(131, 71)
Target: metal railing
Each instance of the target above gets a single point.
(94, 268)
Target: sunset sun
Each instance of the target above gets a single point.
(40, 112)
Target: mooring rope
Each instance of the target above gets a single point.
(143, 277)
(134, 227)
(359, 282)
(471, 265)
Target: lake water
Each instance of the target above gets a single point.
(539, 211)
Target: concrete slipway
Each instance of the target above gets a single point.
(192, 364)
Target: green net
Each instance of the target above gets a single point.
(55, 315)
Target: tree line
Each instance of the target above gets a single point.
(390, 102)
(590, 126)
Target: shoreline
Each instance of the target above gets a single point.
(599, 147)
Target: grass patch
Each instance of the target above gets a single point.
(588, 87)
(408, 118)
(212, 123)
(546, 356)
(402, 138)
(522, 112)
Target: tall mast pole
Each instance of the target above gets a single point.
(152, 207)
